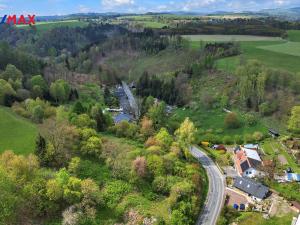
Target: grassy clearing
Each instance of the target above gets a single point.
(45, 26)
(294, 35)
(16, 133)
(212, 122)
(253, 50)
(252, 218)
(226, 38)
(289, 48)
(273, 148)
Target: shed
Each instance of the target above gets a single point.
(274, 133)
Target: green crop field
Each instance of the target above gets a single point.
(44, 26)
(294, 35)
(289, 48)
(255, 50)
(226, 38)
(16, 133)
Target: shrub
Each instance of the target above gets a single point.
(228, 140)
(114, 191)
(238, 139)
(248, 138)
(251, 119)
(258, 136)
(232, 121)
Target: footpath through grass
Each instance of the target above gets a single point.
(16, 133)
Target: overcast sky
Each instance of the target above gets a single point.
(60, 7)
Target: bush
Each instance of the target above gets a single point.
(248, 138)
(228, 140)
(251, 119)
(232, 121)
(258, 136)
(114, 191)
(238, 139)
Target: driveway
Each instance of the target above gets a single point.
(215, 195)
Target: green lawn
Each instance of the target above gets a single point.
(252, 218)
(16, 133)
(212, 121)
(289, 48)
(294, 35)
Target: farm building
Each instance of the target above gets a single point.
(247, 161)
(254, 189)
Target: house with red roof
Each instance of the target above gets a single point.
(247, 162)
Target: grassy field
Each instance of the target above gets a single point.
(212, 122)
(44, 26)
(289, 48)
(273, 148)
(16, 133)
(294, 35)
(226, 38)
(254, 50)
(252, 218)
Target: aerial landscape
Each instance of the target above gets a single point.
(135, 112)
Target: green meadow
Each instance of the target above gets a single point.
(45, 26)
(226, 38)
(272, 54)
(16, 133)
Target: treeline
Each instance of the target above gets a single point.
(27, 63)
(261, 26)
(165, 90)
(52, 42)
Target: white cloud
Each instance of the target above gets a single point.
(83, 9)
(109, 4)
(194, 4)
(2, 7)
(281, 2)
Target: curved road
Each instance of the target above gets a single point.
(215, 195)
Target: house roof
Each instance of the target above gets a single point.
(251, 146)
(245, 159)
(251, 187)
(122, 117)
(252, 154)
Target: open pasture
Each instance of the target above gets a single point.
(16, 133)
(289, 48)
(226, 38)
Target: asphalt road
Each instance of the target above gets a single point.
(215, 195)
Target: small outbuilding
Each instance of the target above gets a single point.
(274, 133)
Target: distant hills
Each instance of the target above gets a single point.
(287, 14)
